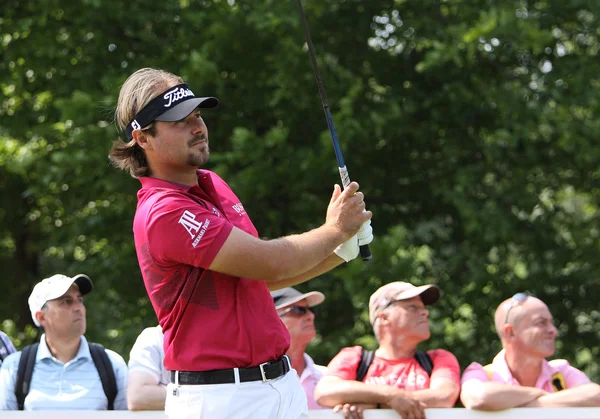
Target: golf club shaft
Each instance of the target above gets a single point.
(365, 252)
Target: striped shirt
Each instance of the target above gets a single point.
(75, 385)
(6, 346)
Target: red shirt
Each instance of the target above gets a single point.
(405, 374)
(210, 320)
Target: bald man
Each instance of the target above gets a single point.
(520, 375)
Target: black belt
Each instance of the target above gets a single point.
(263, 372)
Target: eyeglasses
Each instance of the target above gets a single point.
(413, 308)
(297, 311)
(517, 299)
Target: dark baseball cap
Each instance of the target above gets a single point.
(173, 104)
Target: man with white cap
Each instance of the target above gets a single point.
(63, 367)
(396, 376)
(295, 311)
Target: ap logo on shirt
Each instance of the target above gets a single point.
(194, 228)
(239, 208)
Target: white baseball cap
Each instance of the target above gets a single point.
(398, 291)
(289, 295)
(54, 287)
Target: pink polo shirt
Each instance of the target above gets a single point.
(310, 377)
(210, 320)
(572, 376)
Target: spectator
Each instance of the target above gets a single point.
(396, 376)
(148, 378)
(295, 311)
(520, 375)
(65, 373)
(6, 346)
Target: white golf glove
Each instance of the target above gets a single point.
(348, 250)
(365, 234)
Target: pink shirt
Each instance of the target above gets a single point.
(405, 374)
(210, 320)
(310, 377)
(572, 376)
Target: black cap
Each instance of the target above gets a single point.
(173, 104)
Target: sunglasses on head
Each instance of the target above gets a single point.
(297, 311)
(517, 299)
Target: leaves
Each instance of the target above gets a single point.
(472, 129)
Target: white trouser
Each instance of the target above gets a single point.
(282, 398)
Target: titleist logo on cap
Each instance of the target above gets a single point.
(176, 95)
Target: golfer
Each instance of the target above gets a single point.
(206, 271)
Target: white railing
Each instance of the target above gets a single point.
(529, 413)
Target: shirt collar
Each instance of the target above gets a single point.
(44, 352)
(309, 367)
(308, 361)
(545, 374)
(151, 182)
(501, 368)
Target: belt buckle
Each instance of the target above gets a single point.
(262, 372)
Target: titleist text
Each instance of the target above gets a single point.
(176, 95)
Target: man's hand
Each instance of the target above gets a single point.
(493, 396)
(346, 211)
(353, 410)
(407, 408)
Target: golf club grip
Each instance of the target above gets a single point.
(365, 252)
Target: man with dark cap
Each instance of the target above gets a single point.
(296, 312)
(397, 376)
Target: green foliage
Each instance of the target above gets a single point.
(471, 126)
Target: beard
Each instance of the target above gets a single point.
(199, 156)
